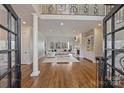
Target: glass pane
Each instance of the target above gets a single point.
(13, 77)
(119, 60)
(119, 18)
(3, 63)
(109, 61)
(109, 26)
(119, 40)
(12, 24)
(119, 80)
(109, 69)
(109, 54)
(12, 41)
(3, 16)
(3, 40)
(109, 41)
(12, 59)
(4, 82)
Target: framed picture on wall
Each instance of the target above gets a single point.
(92, 43)
(89, 43)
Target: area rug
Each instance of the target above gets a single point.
(60, 59)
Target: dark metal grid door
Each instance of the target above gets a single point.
(110, 49)
(10, 76)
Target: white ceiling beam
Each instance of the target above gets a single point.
(71, 17)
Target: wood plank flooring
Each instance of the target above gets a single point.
(66, 75)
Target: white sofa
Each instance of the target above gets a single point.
(51, 54)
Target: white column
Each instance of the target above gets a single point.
(35, 46)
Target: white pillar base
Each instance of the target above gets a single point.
(35, 73)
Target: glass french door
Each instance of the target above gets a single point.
(10, 73)
(113, 25)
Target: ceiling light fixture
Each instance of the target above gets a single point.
(61, 23)
(24, 22)
(99, 24)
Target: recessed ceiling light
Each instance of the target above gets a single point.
(61, 23)
(99, 24)
(24, 22)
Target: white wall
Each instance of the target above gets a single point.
(57, 39)
(26, 45)
(41, 45)
(98, 42)
(97, 48)
(88, 54)
(79, 44)
(82, 46)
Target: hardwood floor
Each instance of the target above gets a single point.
(61, 75)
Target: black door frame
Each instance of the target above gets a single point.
(112, 33)
(17, 34)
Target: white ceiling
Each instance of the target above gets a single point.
(24, 11)
(52, 27)
(70, 27)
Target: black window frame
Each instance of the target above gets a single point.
(113, 50)
(17, 50)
